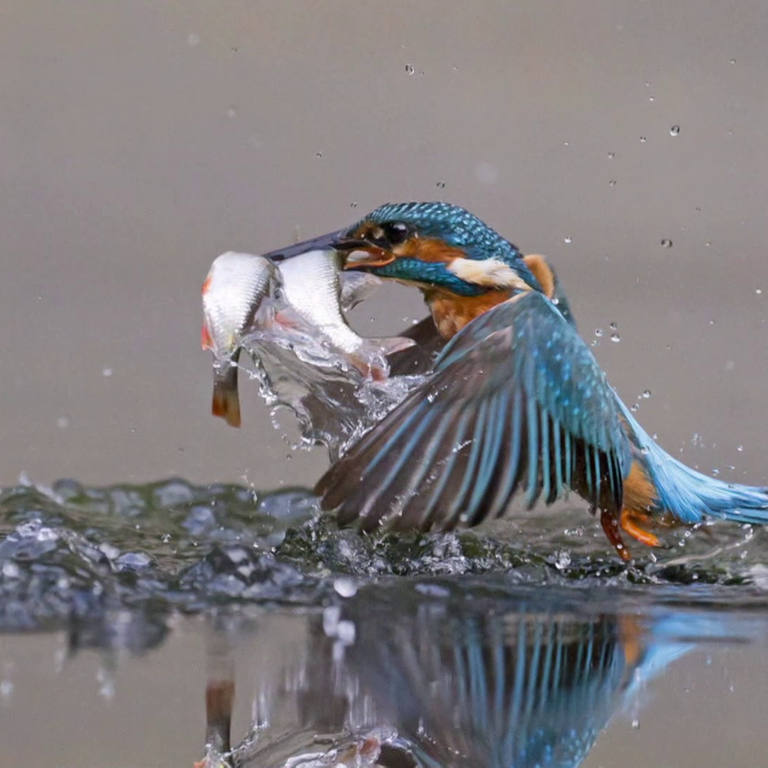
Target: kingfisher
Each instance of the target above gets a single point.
(515, 405)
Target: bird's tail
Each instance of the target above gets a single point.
(690, 496)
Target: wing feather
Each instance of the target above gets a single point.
(516, 402)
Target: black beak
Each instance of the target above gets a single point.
(332, 241)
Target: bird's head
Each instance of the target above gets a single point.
(436, 246)
(432, 245)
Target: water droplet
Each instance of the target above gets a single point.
(715, 472)
(615, 338)
(318, 154)
(566, 143)
(6, 689)
(733, 61)
(614, 326)
(440, 185)
(634, 407)
(645, 450)
(666, 243)
(636, 724)
(567, 240)
(231, 113)
(165, 538)
(106, 372)
(353, 204)
(109, 551)
(106, 684)
(62, 422)
(409, 70)
(674, 130)
(758, 291)
(643, 139)
(345, 586)
(598, 331)
(193, 40)
(740, 448)
(612, 183)
(611, 155)
(708, 244)
(647, 393)
(594, 343)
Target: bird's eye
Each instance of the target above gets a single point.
(396, 232)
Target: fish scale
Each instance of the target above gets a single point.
(232, 293)
(309, 287)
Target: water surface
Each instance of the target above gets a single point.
(278, 636)
(140, 140)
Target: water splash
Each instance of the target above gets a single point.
(335, 399)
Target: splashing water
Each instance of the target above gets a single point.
(333, 401)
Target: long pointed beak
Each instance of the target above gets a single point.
(362, 254)
(331, 241)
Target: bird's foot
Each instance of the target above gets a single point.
(631, 522)
(613, 532)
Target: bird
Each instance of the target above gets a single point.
(515, 405)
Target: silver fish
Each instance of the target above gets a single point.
(311, 285)
(232, 293)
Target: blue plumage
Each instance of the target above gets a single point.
(516, 402)
(502, 396)
(690, 496)
(435, 273)
(458, 228)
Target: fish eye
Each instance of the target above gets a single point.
(396, 232)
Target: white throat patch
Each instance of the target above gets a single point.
(489, 273)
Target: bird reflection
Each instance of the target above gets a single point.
(515, 687)
(395, 678)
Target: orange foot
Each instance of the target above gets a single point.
(611, 528)
(631, 522)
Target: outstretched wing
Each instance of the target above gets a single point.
(517, 402)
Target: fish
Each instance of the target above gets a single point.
(233, 291)
(311, 285)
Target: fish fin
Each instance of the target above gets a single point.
(390, 345)
(285, 318)
(373, 365)
(205, 337)
(371, 360)
(226, 400)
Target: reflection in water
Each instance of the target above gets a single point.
(429, 675)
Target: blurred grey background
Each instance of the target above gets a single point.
(139, 140)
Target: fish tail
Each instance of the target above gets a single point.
(226, 400)
(371, 358)
(390, 345)
(691, 496)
